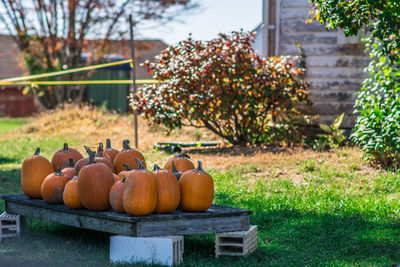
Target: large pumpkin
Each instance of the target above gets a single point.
(69, 171)
(99, 158)
(53, 187)
(71, 196)
(127, 156)
(116, 195)
(94, 183)
(140, 194)
(169, 193)
(33, 172)
(109, 151)
(61, 157)
(197, 190)
(182, 163)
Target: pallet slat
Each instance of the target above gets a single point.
(216, 219)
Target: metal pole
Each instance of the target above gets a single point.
(133, 79)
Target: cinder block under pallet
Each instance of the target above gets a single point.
(9, 225)
(236, 243)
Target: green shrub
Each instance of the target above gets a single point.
(223, 85)
(377, 128)
(332, 137)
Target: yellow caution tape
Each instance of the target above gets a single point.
(141, 81)
(26, 80)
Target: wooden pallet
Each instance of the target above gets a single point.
(216, 219)
(9, 225)
(238, 243)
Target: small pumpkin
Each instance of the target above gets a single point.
(177, 173)
(94, 183)
(33, 172)
(140, 194)
(69, 171)
(116, 177)
(169, 192)
(182, 163)
(127, 156)
(126, 172)
(109, 151)
(71, 196)
(53, 187)
(116, 194)
(197, 190)
(61, 157)
(84, 161)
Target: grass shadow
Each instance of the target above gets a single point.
(6, 160)
(239, 150)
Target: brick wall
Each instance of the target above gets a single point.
(14, 104)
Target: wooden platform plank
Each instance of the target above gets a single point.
(216, 219)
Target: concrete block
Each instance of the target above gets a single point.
(166, 250)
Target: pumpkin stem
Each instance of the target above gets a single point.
(125, 145)
(123, 179)
(88, 150)
(71, 163)
(100, 150)
(173, 167)
(108, 143)
(156, 168)
(183, 155)
(140, 164)
(65, 147)
(37, 152)
(128, 168)
(59, 172)
(199, 166)
(92, 154)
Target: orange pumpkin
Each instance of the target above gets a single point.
(69, 171)
(127, 156)
(109, 151)
(140, 194)
(116, 177)
(197, 190)
(116, 194)
(94, 183)
(71, 196)
(61, 157)
(169, 193)
(182, 163)
(126, 172)
(33, 172)
(84, 161)
(53, 187)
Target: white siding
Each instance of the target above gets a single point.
(335, 70)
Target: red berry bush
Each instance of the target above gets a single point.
(225, 86)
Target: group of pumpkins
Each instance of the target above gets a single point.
(117, 179)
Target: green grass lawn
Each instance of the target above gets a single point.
(8, 124)
(337, 214)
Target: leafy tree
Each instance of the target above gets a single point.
(52, 35)
(381, 17)
(377, 127)
(223, 85)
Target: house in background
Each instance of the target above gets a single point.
(334, 64)
(15, 104)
